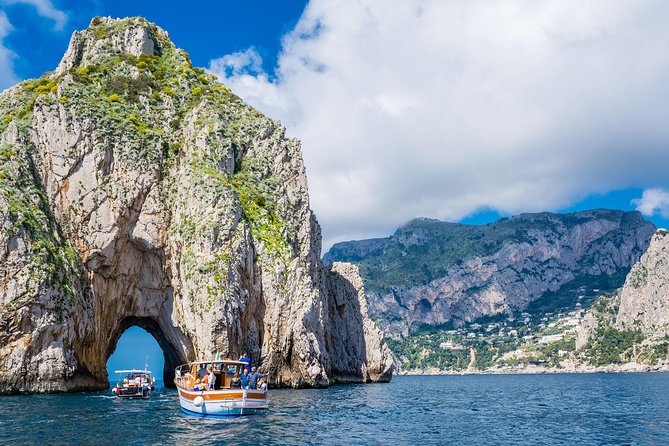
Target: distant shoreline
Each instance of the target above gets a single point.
(630, 367)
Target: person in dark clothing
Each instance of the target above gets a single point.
(236, 382)
(245, 358)
(245, 379)
(254, 376)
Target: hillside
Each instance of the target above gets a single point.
(432, 273)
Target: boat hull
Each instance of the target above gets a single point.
(144, 392)
(222, 403)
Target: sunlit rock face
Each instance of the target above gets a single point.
(641, 305)
(137, 190)
(644, 299)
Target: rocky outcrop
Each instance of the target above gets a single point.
(644, 299)
(642, 304)
(632, 324)
(432, 272)
(136, 190)
(355, 251)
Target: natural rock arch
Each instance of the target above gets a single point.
(138, 190)
(171, 355)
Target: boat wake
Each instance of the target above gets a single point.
(106, 397)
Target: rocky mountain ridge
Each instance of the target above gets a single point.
(137, 190)
(625, 330)
(432, 273)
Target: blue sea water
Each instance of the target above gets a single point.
(599, 409)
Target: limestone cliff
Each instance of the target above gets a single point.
(644, 299)
(642, 304)
(631, 326)
(432, 272)
(137, 190)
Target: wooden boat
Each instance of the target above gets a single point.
(134, 383)
(223, 399)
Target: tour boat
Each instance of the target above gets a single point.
(134, 383)
(224, 399)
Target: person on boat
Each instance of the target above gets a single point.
(245, 379)
(245, 358)
(236, 383)
(253, 378)
(198, 385)
(263, 385)
(212, 378)
(205, 381)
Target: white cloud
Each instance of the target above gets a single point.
(653, 201)
(440, 108)
(7, 76)
(46, 9)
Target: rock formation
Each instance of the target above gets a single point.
(642, 304)
(137, 190)
(432, 272)
(644, 299)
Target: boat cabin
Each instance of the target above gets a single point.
(190, 375)
(134, 383)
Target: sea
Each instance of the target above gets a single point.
(565, 409)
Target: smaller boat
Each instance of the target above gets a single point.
(134, 383)
(227, 398)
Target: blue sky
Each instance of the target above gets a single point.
(206, 29)
(134, 349)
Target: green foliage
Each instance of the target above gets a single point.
(53, 260)
(609, 346)
(651, 354)
(638, 276)
(568, 295)
(426, 352)
(43, 85)
(255, 194)
(100, 32)
(129, 87)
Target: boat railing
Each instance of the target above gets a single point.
(181, 373)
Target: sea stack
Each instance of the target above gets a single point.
(135, 189)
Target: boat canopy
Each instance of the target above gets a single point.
(219, 361)
(132, 371)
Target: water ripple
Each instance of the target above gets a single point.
(437, 410)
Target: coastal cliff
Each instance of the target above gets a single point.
(137, 190)
(430, 273)
(636, 316)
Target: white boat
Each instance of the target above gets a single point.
(134, 383)
(224, 399)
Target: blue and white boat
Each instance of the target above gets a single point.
(134, 383)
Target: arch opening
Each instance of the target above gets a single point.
(133, 353)
(136, 349)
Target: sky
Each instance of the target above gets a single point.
(459, 110)
(135, 349)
